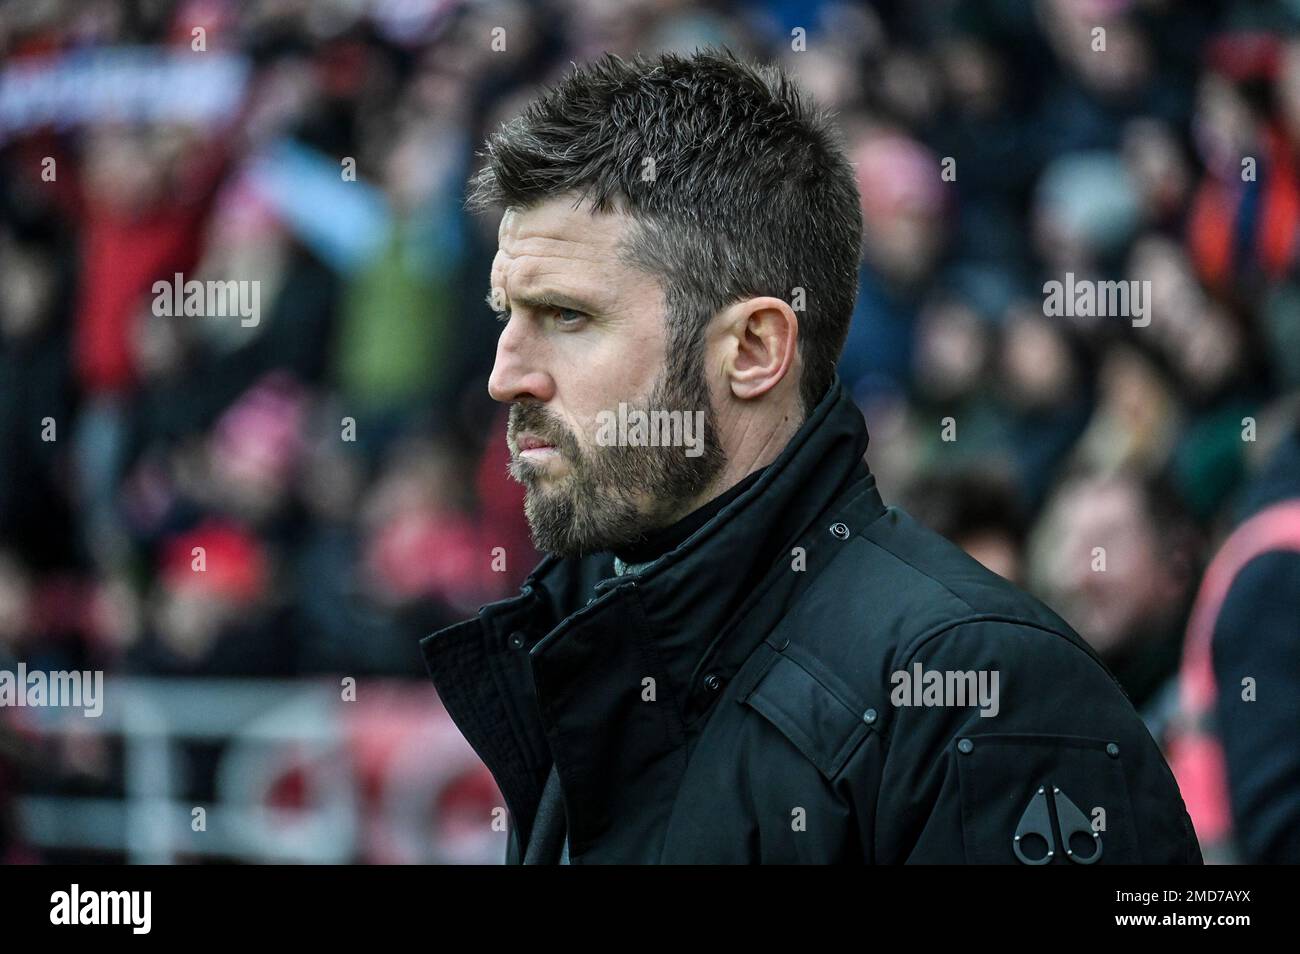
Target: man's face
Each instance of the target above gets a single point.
(585, 332)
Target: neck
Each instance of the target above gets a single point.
(632, 557)
(754, 448)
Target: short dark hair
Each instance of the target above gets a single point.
(738, 185)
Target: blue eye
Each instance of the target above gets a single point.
(568, 317)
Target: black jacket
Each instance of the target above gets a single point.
(731, 702)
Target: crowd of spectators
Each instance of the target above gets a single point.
(338, 459)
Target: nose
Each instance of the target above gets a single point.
(517, 375)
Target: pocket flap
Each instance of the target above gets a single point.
(819, 725)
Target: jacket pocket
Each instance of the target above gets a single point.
(1044, 799)
(824, 729)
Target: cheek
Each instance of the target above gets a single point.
(596, 379)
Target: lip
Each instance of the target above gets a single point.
(537, 454)
(535, 450)
(531, 442)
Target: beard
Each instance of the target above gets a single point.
(613, 496)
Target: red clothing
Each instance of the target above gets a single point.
(121, 257)
(1224, 241)
(123, 252)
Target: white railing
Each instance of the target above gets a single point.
(373, 777)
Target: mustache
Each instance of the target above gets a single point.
(536, 420)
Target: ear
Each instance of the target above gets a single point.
(760, 339)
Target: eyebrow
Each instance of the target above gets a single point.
(547, 298)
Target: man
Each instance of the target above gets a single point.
(730, 653)
(1233, 748)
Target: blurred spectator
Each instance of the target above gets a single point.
(1233, 748)
(978, 512)
(1115, 556)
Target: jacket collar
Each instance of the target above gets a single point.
(690, 593)
(545, 676)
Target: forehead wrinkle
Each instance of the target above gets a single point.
(544, 250)
(546, 287)
(557, 249)
(573, 230)
(526, 278)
